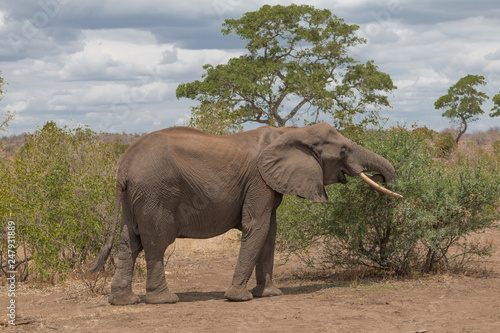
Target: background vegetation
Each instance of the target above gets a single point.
(59, 189)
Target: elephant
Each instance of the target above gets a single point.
(180, 182)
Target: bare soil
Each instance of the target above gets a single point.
(199, 271)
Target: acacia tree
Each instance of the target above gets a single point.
(463, 102)
(298, 62)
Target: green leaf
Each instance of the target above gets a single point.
(495, 111)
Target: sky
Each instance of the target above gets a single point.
(115, 64)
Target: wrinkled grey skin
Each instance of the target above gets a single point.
(181, 182)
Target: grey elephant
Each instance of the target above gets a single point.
(180, 182)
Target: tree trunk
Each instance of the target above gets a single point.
(430, 260)
(462, 130)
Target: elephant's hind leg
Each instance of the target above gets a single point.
(157, 291)
(121, 284)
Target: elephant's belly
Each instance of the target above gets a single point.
(206, 222)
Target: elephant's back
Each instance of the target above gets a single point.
(183, 153)
(153, 152)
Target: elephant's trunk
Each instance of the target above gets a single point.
(369, 161)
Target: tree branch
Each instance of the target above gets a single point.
(297, 108)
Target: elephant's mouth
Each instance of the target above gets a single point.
(342, 177)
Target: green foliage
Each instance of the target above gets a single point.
(7, 117)
(442, 204)
(495, 111)
(444, 144)
(213, 118)
(299, 57)
(463, 102)
(59, 189)
(425, 133)
(496, 147)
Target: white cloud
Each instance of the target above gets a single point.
(19, 106)
(401, 84)
(470, 27)
(182, 8)
(2, 19)
(361, 3)
(428, 77)
(493, 55)
(107, 54)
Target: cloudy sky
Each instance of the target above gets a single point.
(115, 64)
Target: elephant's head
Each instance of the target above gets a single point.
(303, 160)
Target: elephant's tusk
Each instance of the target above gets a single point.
(378, 187)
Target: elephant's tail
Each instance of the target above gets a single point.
(106, 249)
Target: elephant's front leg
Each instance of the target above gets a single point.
(265, 263)
(255, 229)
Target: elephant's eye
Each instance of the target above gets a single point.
(343, 151)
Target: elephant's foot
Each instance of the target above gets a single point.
(161, 297)
(266, 291)
(238, 294)
(123, 298)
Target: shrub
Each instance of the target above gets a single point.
(425, 133)
(496, 147)
(59, 189)
(444, 144)
(442, 204)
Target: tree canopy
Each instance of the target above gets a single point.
(463, 102)
(495, 111)
(298, 63)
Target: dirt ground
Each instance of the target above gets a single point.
(200, 271)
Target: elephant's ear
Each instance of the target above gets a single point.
(291, 166)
